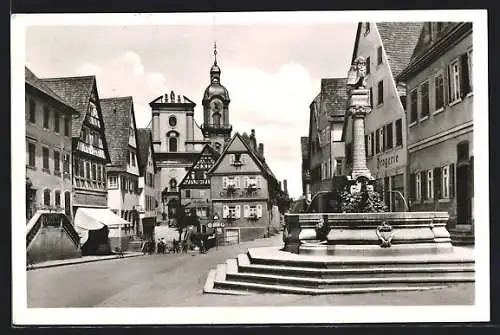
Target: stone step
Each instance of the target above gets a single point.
(366, 263)
(348, 282)
(289, 289)
(418, 271)
(209, 287)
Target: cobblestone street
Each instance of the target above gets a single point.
(177, 281)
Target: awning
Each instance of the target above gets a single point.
(94, 219)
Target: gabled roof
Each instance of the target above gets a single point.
(32, 80)
(144, 146)
(117, 113)
(207, 148)
(399, 40)
(334, 96)
(76, 92)
(260, 163)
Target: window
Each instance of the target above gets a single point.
(66, 163)
(172, 144)
(46, 116)
(32, 111)
(379, 55)
(439, 92)
(31, 160)
(469, 63)
(57, 198)
(57, 122)
(237, 159)
(57, 162)
(132, 158)
(112, 182)
(372, 140)
(94, 174)
(67, 203)
(231, 211)
(368, 65)
(99, 172)
(187, 193)
(413, 106)
(381, 141)
(45, 153)
(173, 185)
(46, 197)
(388, 132)
(66, 126)
(380, 92)
(371, 97)
(338, 167)
(430, 185)
(418, 186)
(82, 168)
(445, 182)
(368, 144)
(367, 28)
(399, 132)
(424, 100)
(172, 121)
(377, 141)
(454, 81)
(216, 119)
(87, 170)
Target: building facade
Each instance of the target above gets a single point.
(89, 146)
(387, 48)
(306, 173)
(325, 147)
(123, 171)
(440, 122)
(242, 189)
(195, 187)
(48, 147)
(174, 148)
(148, 202)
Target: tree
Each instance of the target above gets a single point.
(283, 202)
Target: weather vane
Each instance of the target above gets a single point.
(215, 52)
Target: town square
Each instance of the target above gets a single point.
(228, 164)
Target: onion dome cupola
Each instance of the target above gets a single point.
(216, 101)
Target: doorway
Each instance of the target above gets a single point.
(464, 182)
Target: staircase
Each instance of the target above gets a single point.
(462, 236)
(256, 271)
(49, 218)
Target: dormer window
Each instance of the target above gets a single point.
(237, 159)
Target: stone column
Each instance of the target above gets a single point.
(359, 106)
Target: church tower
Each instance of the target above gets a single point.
(216, 127)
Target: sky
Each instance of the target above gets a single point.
(272, 71)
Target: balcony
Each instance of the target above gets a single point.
(216, 126)
(90, 149)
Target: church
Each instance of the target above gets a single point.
(185, 152)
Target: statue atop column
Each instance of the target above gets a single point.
(356, 77)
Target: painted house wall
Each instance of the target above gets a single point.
(449, 127)
(41, 137)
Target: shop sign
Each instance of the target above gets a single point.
(216, 225)
(390, 160)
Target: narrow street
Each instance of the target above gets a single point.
(177, 281)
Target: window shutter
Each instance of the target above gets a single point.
(243, 159)
(245, 182)
(423, 178)
(259, 182)
(437, 183)
(246, 211)
(237, 182)
(413, 182)
(238, 211)
(447, 98)
(225, 211)
(452, 180)
(224, 182)
(231, 158)
(259, 211)
(464, 75)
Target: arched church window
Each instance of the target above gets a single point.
(216, 119)
(172, 144)
(172, 121)
(173, 185)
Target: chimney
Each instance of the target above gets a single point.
(261, 149)
(279, 184)
(285, 187)
(253, 141)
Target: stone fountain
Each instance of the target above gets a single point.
(327, 253)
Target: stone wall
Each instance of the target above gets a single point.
(52, 243)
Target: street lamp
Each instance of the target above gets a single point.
(216, 217)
